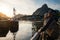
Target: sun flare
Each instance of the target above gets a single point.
(5, 9)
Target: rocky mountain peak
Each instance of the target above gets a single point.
(44, 6)
(42, 10)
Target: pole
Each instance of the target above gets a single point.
(14, 36)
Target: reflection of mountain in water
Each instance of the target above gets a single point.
(5, 26)
(36, 26)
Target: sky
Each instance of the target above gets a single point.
(26, 7)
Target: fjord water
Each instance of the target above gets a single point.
(24, 32)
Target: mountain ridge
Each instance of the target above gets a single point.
(44, 9)
(3, 16)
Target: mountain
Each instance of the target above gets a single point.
(3, 16)
(38, 14)
(44, 9)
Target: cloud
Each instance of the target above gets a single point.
(26, 6)
(54, 1)
(21, 6)
(54, 4)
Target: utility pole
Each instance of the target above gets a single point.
(14, 11)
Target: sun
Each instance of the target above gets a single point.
(6, 10)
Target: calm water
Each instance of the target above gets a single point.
(24, 32)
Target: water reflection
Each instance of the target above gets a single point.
(24, 32)
(36, 26)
